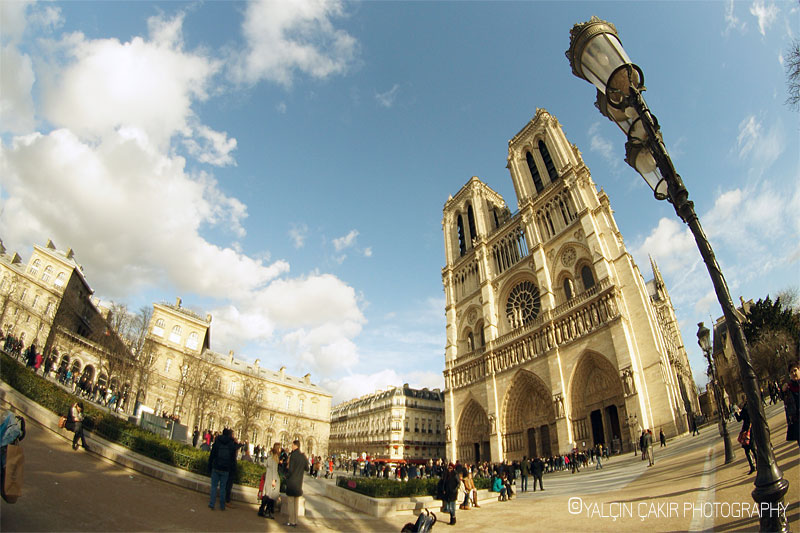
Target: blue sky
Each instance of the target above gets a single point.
(284, 165)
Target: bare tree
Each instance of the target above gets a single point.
(772, 352)
(200, 385)
(143, 352)
(793, 74)
(249, 406)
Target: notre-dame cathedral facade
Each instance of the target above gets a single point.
(554, 339)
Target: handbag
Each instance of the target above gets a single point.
(12, 474)
(62, 422)
(744, 437)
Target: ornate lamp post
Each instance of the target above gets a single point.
(597, 56)
(704, 340)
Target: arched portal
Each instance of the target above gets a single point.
(528, 408)
(598, 401)
(472, 438)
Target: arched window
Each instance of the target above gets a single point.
(462, 240)
(193, 340)
(158, 328)
(59, 282)
(587, 277)
(48, 271)
(35, 267)
(548, 162)
(470, 342)
(523, 304)
(537, 180)
(471, 220)
(175, 336)
(568, 288)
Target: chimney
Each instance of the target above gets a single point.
(178, 302)
(230, 357)
(208, 318)
(50, 244)
(283, 372)
(255, 364)
(307, 379)
(71, 254)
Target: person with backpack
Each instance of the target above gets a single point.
(219, 466)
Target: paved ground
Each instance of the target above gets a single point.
(69, 490)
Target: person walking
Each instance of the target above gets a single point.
(219, 465)
(647, 446)
(743, 416)
(524, 472)
(294, 481)
(791, 403)
(75, 424)
(271, 483)
(537, 469)
(452, 482)
(662, 437)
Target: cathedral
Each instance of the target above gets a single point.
(554, 340)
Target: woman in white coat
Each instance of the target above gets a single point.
(270, 484)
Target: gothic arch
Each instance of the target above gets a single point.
(596, 400)
(472, 436)
(527, 411)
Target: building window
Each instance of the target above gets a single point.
(22, 296)
(35, 267)
(548, 161)
(35, 301)
(285, 420)
(48, 308)
(537, 180)
(523, 304)
(175, 336)
(48, 271)
(167, 365)
(272, 417)
(158, 329)
(462, 239)
(300, 405)
(232, 388)
(59, 282)
(193, 340)
(587, 277)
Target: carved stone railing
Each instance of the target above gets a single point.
(537, 338)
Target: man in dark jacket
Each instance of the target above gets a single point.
(219, 465)
(452, 480)
(294, 481)
(537, 469)
(524, 471)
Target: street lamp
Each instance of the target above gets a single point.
(596, 55)
(704, 340)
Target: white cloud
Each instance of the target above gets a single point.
(602, 146)
(16, 82)
(766, 14)
(131, 212)
(732, 22)
(281, 108)
(347, 241)
(762, 147)
(670, 244)
(298, 234)
(212, 147)
(357, 385)
(287, 37)
(386, 99)
(148, 85)
(368, 252)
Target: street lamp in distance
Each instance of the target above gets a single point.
(704, 340)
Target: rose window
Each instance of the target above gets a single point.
(523, 304)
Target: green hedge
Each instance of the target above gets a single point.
(115, 429)
(390, 488)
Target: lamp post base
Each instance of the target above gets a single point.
(771, 509)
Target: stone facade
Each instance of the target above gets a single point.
(554, 340)
(398, 423)
(48, 301)
(725, 357)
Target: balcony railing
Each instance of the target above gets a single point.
(566, 323)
